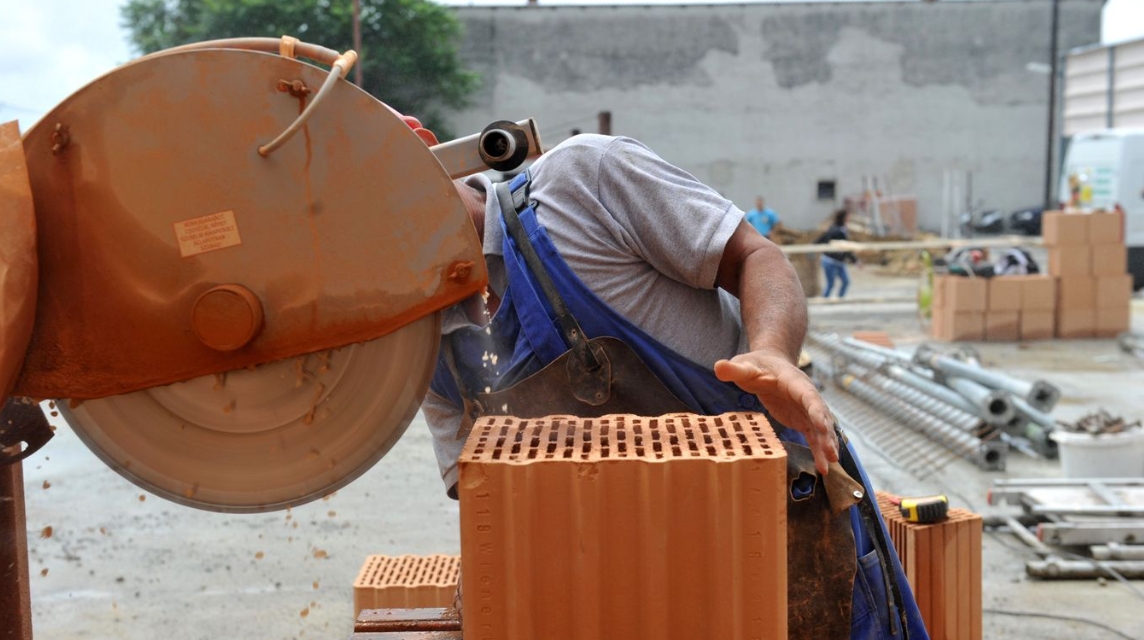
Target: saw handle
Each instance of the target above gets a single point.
(288, 47)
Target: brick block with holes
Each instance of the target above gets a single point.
(406, 582)
(942, 562)
(624, 527)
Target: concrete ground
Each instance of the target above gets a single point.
(120, 563)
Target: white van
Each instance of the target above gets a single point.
(1103, 169)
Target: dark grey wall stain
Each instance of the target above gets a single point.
(984, 47)
(576, 50)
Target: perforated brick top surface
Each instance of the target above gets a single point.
(409, 571)
(730, 436)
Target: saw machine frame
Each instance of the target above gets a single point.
(210, 208)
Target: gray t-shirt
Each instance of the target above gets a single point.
(645, 236)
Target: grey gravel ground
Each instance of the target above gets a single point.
(123, 564)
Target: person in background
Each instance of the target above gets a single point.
(762, 218)
(834, 262)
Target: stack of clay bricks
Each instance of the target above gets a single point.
(623, 527)
(1088, 258)
(999, 308)
(942, 562)
(406, 582)
(1086, 293)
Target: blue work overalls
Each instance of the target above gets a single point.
(524, 335)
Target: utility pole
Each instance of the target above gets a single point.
(604, 123)
(1051, 135)
(357, 42)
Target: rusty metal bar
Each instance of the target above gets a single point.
(407, 620)
(15, 595)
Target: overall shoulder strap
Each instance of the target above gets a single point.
(592, 370)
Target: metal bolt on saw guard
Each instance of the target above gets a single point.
(287, 47)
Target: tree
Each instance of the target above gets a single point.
(409, 47)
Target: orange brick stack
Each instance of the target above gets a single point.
(406, 582)
(942, 562)
(624, 527)
(1088, 258)
(1086, 292)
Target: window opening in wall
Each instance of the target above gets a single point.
(826, 189)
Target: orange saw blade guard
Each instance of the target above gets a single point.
(201, 210)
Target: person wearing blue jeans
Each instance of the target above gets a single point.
(834, 262)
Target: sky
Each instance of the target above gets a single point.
(51, 48)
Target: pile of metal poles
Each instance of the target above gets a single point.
(976, 413)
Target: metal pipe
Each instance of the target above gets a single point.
(1032, 414)
(964, 421)
(1117, 551)
(1038, 393)
(889, 354)
(988, 455)
(995, 404)
(1060, 569)
(933, 388)
(1035, 426)
(993, 407)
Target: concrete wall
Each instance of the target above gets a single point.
(772, 98)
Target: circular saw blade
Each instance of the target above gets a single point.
(270, 437)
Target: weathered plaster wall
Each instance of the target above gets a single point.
(771, 98)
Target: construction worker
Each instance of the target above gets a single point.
(601, 237)
(763, 218)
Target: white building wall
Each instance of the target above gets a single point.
(771, 98)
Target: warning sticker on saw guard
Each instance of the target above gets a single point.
(207, 233)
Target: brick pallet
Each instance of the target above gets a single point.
(942, 562)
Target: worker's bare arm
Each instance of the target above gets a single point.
(774, 317)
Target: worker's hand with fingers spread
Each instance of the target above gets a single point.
(790, 397)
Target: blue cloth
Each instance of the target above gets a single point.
(523, 333)
(763, 221)
(835, 270)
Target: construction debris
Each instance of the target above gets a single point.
(1099, 423)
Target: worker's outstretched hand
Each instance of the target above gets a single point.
(789, 395)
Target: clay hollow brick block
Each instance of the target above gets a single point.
(1037, 325)
(1005, 293)
(1064, 229)
(1038, 292)
(406, 582)
(942, 562)
(1070, 261)
(624, 527)
(1109, 260)
(962, 294)
(1106, 228)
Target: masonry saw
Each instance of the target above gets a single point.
(226, 266)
